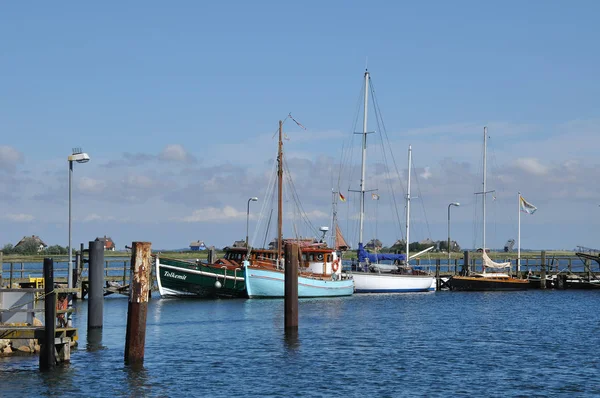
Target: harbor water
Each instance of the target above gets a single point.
(530, 343)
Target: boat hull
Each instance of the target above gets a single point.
(478, 284)
(178, 278)
(264, 283)
(368, 282)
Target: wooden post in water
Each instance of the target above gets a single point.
(47, 353)
(588, 269)
(79, 260)
(543, 270)
(465, 266)
(139, 288)
(291, 287)
(438, 280)
(1, 264)
(96, 285)
(212, 257)
(11, 276)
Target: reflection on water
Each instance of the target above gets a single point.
(94, 339)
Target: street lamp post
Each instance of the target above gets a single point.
(79, 157)
(450, 205)
(254, 199)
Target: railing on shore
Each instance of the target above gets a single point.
(13, 273)
(529, 266)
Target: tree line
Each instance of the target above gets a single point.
(32, 247)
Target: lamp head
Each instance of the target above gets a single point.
(254, 199)
(79, 156)
(454, 204)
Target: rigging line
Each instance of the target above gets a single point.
(421, 200)
(282, 123)
(378, 118)
(349, 154)
(268, 201)
(267, 229)
(296, 198)
(346, 167)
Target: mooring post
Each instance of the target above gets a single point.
(588, 269)
(139, 288)
(438, 280)
(291, 287)
(1, 264)
(543, 270)
(96, 285)
(465, 266)
(47, 354)
(211, 255)
(79, 260)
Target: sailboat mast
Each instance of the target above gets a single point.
(408, 204)
(484, 179)
(279, 193)
(364, 159)
(334, 217)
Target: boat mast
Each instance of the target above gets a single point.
(484, 178)
(408, 204)
(364, 159)
(279, 193)
(334, 218)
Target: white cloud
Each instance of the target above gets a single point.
(91, 185)
(175, 153)
(140, 181)
(227, 213)
(426, 174)
(532, 166)
(96, 217)
(20, 217)
(9, 157)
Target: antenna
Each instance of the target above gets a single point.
(324, 231)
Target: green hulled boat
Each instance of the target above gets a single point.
(181, 278)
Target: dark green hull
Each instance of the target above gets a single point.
(177, 278)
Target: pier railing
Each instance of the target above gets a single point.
(529, 266)
(17, 273)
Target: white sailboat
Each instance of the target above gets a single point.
(370, 278)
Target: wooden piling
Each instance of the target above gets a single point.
(139, 288)
(291, 287)
(96, 285)
(465, 266)
(47, 353)
(79, 261)
(588, 269)
(1, 264)
(438, 280)
(543, 270)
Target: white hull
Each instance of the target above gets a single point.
(368, 282)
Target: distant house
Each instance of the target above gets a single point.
(427, 242)
(34, 239)
(108, 243)
(239, 243)
(197, 246)
(374, 244)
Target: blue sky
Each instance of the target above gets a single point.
(177, 104)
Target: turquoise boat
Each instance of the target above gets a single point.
(320, 274)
